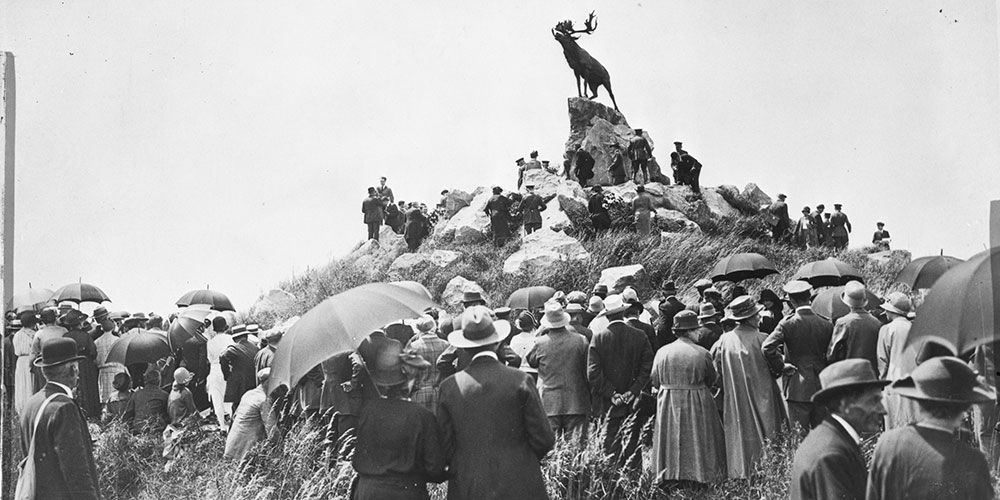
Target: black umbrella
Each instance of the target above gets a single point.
(828, 272)
(530, 298)
(743, 266)
(80, 292)
(959, 310)
(213, 298)
(142, 346)
(923, 272)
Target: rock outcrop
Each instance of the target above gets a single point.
(379, 254)
(452, 295)
(753, 195)
(455, 200)
(544, 248)
(469, 224)
(595, 127)
(617, 278)
(439, 258)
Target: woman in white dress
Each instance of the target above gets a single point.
(216, 382)
(24, 384)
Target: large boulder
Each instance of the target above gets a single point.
(597, 128)
(617, 278)
(554, 219)
(408, 261)
(469, 224)
(378, 255)
(559, 191)
(755, 196)
(542, 249)
(445, 258)
(716, 203)
(455, 200)
(452, 295)
(673, 221)
(624, 191)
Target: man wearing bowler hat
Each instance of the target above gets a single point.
(856, 334)
(63, 450)
(493, 426)
(805, 337)
(709, 330)
(927, 460)
(829, 465)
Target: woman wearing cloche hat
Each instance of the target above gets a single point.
(927, 460)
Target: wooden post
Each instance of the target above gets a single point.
(7, 203)
(995, 277)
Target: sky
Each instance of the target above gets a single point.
(168, 146)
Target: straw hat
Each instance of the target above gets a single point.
(478, 329)
(686, 320)
(707, 311)
(554, 317)
(898, 303)
(614, 304)
(854, 294)
(742, 307)
(596, 305)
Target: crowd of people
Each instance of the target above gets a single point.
(706, 385)
(411, 220)
(816, 228)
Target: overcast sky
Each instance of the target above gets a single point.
(166, 146)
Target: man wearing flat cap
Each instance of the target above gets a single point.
(804, 337)
(927, 460)
(829, 465)
(493, 426)
(55, 430)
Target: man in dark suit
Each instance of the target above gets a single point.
(64, 456)
(493, 426)
(828, 464)
(599, 215)
(531, 208)
(372, 207)
(238, 366)
(669, 307)
(779, 216)
(805, 337)
(840, 227)
(619, 363)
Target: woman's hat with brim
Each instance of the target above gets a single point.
(57, 352)
(945, 380)
(574, 308)
(742, 307)
(182, 376)
(854, 294)
(555, 316)
(686, 320)
(478, 329)
(614, 304)
(898, 303)
(767, 294)
(596, 305)
(854, 373)
(707, 311)
(73, 317)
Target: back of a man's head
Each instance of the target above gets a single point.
(65, 373)
(219, 324)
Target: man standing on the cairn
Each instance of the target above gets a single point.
(385, 192)
(531, 208)
(779, 215)
(881, 237)
(642, 205)
(617, 168)
(584, 166)
(372, 208)
(498, 210)
(619, 364)
(805, 232)
(520, 171)
(533, 163)
(841, 227)
(817, 217)
(640, 153)
(692, 167)
(805, 337)
(599, 215)
(416, 228)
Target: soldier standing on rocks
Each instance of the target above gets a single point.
(640, 153)
(498, 209)
(520, 171)
(779, 214)
(840, 226)
(531, 208)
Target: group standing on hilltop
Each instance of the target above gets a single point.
(411, 220)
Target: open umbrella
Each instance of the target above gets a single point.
(31, 299)
(829, 305)
(413, 286)
(339, 323)
(214, 299)
(79, 292)
(530, 298)
(923, 272)
(742, 266)
(959, 310)
(828, 272)
(142, 346)
(189, 322)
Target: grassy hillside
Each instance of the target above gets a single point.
(300, 467)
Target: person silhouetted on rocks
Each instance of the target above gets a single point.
(881, 237)
(498, 209)
(840, 227)
(640, 153)
(584, 166)
(599, 215)
(779, 218)
(531, 208)
(372, 208)
(533, 163)
(617, 166)
(385, 192)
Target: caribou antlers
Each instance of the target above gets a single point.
(566, 27)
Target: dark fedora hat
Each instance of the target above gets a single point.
(686, 320)
(73, 317)
(478, 329)
(669, 287)
(944, 379)
(472, 297)
(57, 352)
(100, 313)
(851, 373)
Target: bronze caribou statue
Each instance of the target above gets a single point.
(583, 64)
